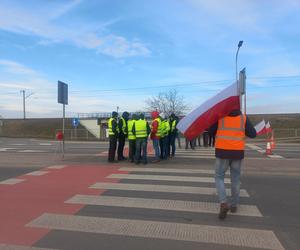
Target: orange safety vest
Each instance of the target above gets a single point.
(231, 133)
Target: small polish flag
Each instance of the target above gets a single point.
(268, 128)
(260, 128)
(217, 107)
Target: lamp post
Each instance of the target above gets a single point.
(236, 59)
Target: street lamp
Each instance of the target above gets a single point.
(236, 59)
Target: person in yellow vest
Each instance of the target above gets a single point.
(123, 130)
(113, 136)
(172, 135)
(131, 138)
(163, 142)
(141, 130)
(229, 150)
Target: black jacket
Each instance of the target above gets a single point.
(233, 154)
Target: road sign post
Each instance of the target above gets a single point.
(62, 97)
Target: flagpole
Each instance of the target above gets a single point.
(236, 74)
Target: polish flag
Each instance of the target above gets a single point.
(260, 128)
(268, 128)
(217, 107)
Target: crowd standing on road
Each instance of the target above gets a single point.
(227, 136)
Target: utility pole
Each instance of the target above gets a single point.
(24, 98)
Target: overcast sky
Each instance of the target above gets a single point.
(118, 53)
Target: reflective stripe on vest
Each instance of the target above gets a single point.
(124, 130)
(231, 133)
(140, 128)
(131, 136)
(110, 130)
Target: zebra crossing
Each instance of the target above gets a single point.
(154, 228)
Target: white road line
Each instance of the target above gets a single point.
(262, 151)
(169, 170)
(15, 247)
(31, 151)
(241, 237)
(162, 188)
(11, 181)
(37, 173)
(196, 153)
(57, 167)
(195, 156)
(45, 144)
(18, 144)
(6, 149)
(165, 178)
(171, 205)
(275, 156)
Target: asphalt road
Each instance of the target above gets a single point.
(82, 202)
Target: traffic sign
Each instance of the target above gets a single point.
(62, 89)
(75, 122)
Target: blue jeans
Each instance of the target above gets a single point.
(221, 167)
(141, 148)
(156, 148)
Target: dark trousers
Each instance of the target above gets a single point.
(205, 139)
(172, 147)
(112, 148)
(121, 146)
(162, 148)
(192, 143)
(211, 141)
(132, 149)
(141, 150)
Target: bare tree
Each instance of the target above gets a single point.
(167, 102)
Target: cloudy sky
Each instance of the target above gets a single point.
(118, 53)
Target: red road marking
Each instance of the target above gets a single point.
(23, 202)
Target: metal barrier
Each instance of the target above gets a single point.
(80, 134)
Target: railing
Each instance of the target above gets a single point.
(105, 115)
(82, 134)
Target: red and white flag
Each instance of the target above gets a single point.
(217, 107)
(260, 128)
(268, 128)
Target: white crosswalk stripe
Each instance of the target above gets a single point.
(165, 178)
(11, 181)
(172, 205)
(241, 237)
(169, 170)
(162, 188)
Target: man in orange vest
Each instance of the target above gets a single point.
(229, 150)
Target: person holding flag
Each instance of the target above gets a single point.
(222, 111)
(230, 134)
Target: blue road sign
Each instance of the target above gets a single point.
(75, 122)
(62, 89)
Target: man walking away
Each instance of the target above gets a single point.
(123, 130)
(131, 138)
(113, 136)
(155, 134)
(141, 130)
(173, 134)
(230, 144)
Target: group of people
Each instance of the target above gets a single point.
(136, 129)
(229, 133)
